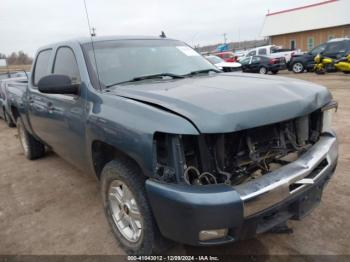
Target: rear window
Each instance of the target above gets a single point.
(42, 65)
(262, 51)
(226, 56)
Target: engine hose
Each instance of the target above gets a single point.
(187, 174)
(226, 174)
(205, 177)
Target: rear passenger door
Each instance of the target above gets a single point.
(37, 101)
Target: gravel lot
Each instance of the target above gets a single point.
(49, 207)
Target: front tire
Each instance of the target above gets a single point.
(298, 68)
(32, 148)
(127, 209)
(263, 70)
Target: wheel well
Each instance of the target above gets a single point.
(298, 62)
(103, 153)
(15, 113)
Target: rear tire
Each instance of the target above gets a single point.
(32, 148)
(117, 178)
(8, 119)
(298, 68)
(263, 70)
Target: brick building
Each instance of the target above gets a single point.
(308, 26)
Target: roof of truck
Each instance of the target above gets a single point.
(84, 40)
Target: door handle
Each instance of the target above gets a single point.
(50, 107)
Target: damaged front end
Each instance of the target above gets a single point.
(218, 188)
(234, 158)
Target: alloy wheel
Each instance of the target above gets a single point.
(298, 68)
(125, 211)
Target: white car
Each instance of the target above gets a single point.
(273, 51)
(223, 65)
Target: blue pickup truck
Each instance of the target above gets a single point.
(183, 153)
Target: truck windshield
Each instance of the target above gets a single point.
(120, 61)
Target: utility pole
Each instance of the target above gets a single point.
(225, 38)
(239, 38)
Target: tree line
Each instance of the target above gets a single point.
(17, 58)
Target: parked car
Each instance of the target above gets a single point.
(222, 65)
(13, 74)
(335, 49)
(226, 56)
(9, 96)
(240, 54)
(263, 64)
(272, 51)
(182, 151)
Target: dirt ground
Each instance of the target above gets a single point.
(49, 207)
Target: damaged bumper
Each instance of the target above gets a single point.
(182, 212)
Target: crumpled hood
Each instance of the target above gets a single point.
(230, 102)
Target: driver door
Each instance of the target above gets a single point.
(67, 112)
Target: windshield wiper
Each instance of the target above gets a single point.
(203, 71)
(155, 76)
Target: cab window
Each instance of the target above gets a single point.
(42, 65)
(66, 64)
(335, 47)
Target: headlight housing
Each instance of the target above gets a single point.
(328, 111)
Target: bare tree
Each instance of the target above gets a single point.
(19, 58)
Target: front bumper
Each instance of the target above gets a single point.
(290, 192)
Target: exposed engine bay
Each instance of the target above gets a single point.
(234, 158)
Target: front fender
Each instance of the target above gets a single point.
(129, 126)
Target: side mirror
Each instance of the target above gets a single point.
(57, 84)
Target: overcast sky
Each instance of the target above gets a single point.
(28, 24)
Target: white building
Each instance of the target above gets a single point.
(308, 26)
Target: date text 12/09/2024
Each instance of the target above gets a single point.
(173, 258)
